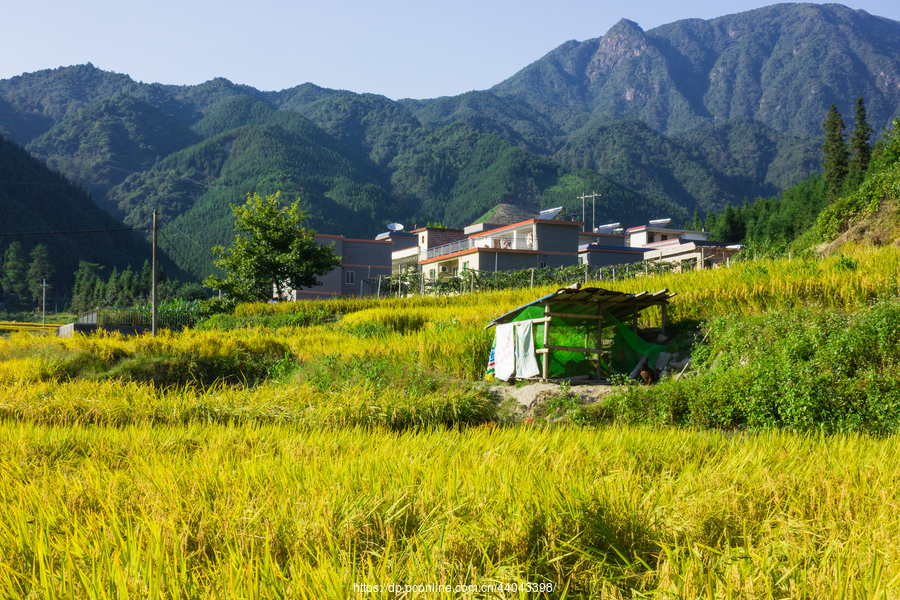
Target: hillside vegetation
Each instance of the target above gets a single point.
(691, 116)
(36, 200)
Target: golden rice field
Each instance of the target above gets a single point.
(293, 462)
(219, 511)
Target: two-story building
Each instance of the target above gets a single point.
(535, 243)
(361, 260)
(606, 246)
(690, 248)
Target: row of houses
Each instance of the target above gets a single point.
(548, 240)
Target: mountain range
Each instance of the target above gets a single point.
(688, 116)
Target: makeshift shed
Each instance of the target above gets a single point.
(579, 333)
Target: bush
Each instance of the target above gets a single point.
(798, 369)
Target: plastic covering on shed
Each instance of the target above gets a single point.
(621, 348)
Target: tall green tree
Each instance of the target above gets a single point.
(39, 270)
(271, 252)
(860, 148)
(15, 286)
(836, 161)
(87, 280)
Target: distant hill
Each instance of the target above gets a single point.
(782, 65)
(100, 145)
(692, 115)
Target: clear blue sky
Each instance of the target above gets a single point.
(398, 48)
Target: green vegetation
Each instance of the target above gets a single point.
(800, 369)
(100, 145)
(35, 201)
(301, 448)
(272, 253)
(721, 121)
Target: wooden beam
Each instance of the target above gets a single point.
(599, 339)
(573, 316)
(546, 361)
(546, 350)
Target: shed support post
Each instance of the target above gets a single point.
(599, 341)
(662, 326)
(546, 355)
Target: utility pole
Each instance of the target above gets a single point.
(593, 198)
(153, 294)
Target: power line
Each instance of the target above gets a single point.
(71, 185)
(70, 232)
(196, 243)
(186, 262)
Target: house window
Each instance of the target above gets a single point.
(649, 238)
(349, 277)
(465, 265)
(543, 264)
(664, 237)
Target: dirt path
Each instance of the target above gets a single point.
(528, 397)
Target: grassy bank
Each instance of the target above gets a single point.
(800, 369)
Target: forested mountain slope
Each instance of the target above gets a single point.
(35, 200)
(782, 65)
(695, 114)
(100, 145)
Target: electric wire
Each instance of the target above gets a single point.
(186, 262)
(71, 232)
(195, 242)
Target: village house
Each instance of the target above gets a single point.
(690, 248)
(362, 259)
(607, 246)
(535, 243)
(545, 241)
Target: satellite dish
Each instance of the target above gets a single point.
(396, 226)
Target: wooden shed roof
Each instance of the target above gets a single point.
(587, 301)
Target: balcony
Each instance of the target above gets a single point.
(499, 243)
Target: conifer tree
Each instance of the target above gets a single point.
(15, 286)
(111, 293)
(860, 150)
(836, 154)
(86, 280)
(39, 270)
(146, 280)
(696, 224)
(126, 287)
